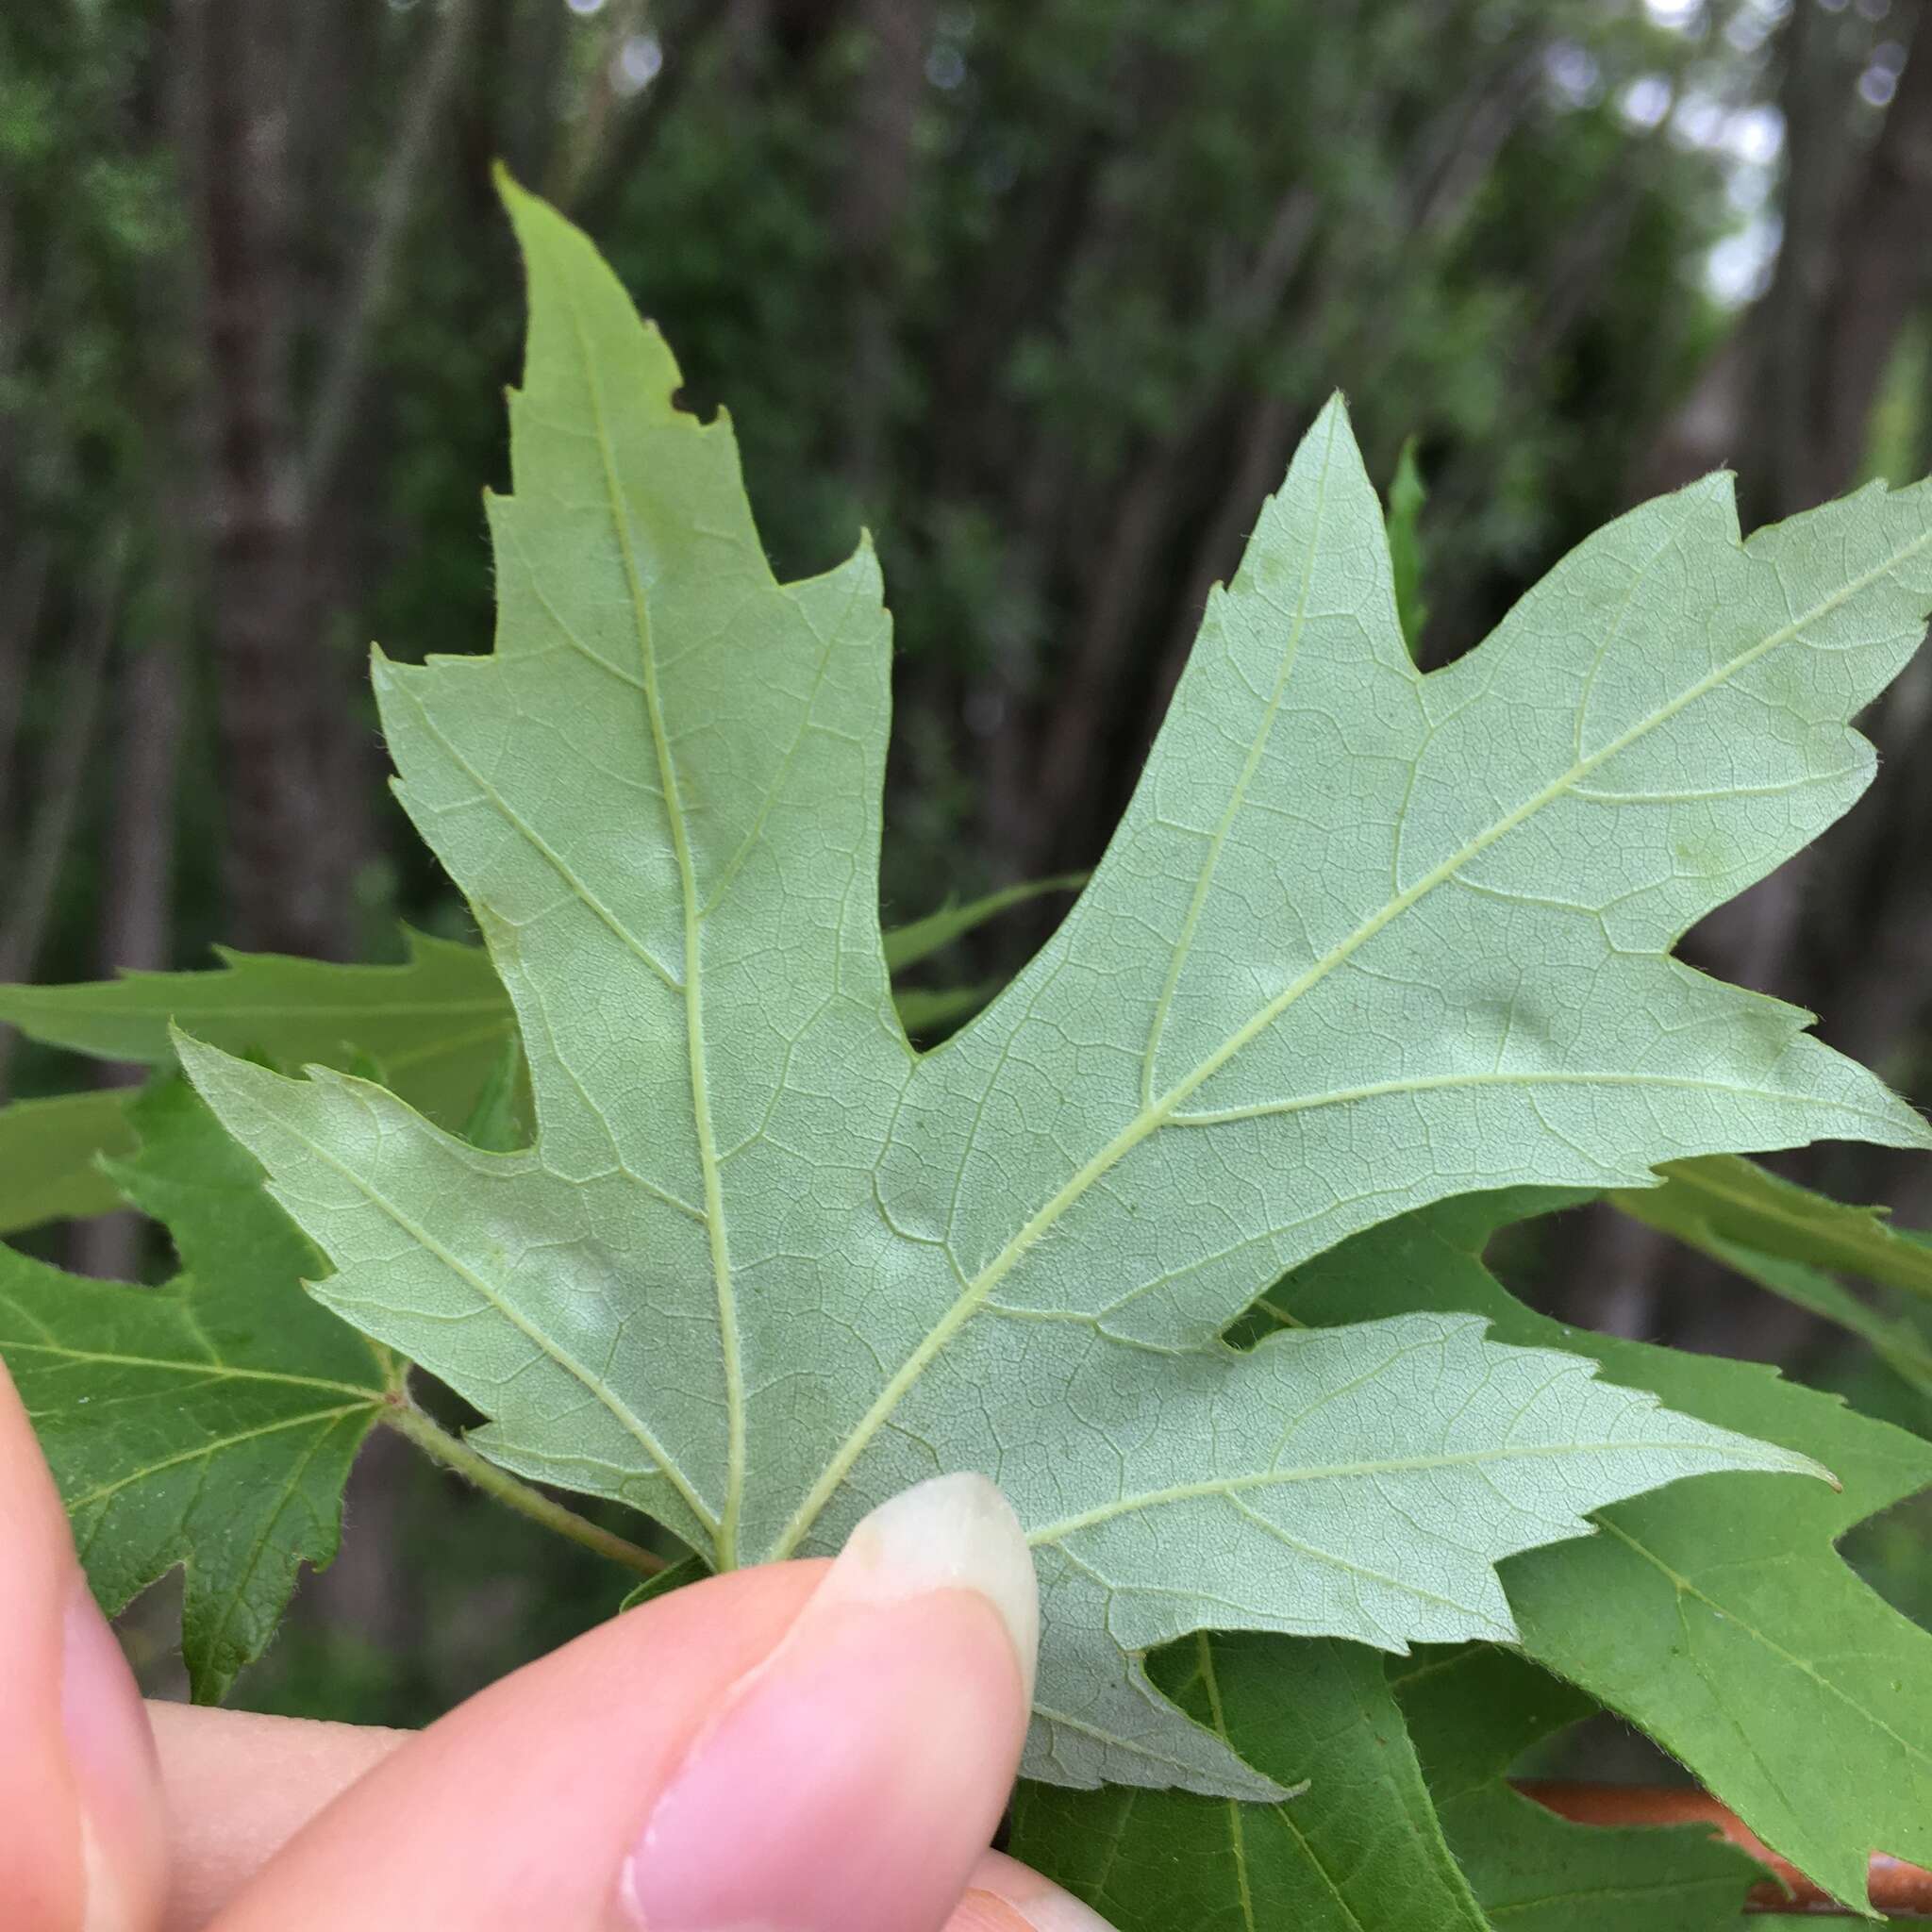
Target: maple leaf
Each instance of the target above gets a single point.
(1471, 1714)
(208, 1424)
(1403, 1814)
(434, 1025)
(49, 1151)
(1362, 939)
(1725, 1623)
(1357, 1844)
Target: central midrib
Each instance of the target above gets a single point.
(1150, 1118)
(726, 1550)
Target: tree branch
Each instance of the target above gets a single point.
(348, 362)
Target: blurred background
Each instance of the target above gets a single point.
(1041, 291)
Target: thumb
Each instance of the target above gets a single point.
(811, 1747)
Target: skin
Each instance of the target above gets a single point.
(606, 1788)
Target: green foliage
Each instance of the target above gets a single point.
(1472, 1714)
(210, 1422)
(1405, 499)
(1724, 1199)
(1782, 1237)
(908, 945)
(859, 1265)
(48, 1153)
(439, 1029)
(1402, 1813)
(435, 1026)
(1358, 1844)
(1725, 1623)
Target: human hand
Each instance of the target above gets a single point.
(805, 1747)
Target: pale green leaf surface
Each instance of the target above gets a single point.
(1722, 1621)
(208, 1424)
(49, 1156)
(1362, 939)
(1472, 1714)
(1360, 1846)
(435, 1024)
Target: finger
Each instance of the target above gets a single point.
(237, 1787)
(1007, 1896)
(81, 1845)
(825, 1748)
(240, 1786)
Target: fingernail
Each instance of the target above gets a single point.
(955, 1532)
(848, 1783)
(1007, 1896)
(112, 1755)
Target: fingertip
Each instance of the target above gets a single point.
(814, 1745)
(850, 1782)
(1007, 1896)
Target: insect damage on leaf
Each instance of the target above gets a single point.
(1363, 939)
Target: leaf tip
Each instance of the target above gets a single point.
(209, 1069)
(509, 190)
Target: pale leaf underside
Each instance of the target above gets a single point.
(1362, 939)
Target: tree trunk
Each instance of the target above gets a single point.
(137, 898)
(877, 186)
(291, 846)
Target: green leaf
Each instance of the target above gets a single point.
(210, 1423)
(1898, 1341)
(1406, 1820)
(435, 1024)
(49, 1155)
(678, 1576)
(931, 1009)
(1405, 499)
(1472, 1714)
(443, 1019)
(1727, 1199)
(496, 1122)
(907, 945)
(1363, 940)
(1723, 1621)
(1359, 1846)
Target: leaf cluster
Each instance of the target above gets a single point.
(1178, 1236)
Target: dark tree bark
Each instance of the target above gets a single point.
(137, 897)
(878, 185)
(61, 781)
(293, 844)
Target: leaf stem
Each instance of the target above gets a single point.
(402, 1416)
